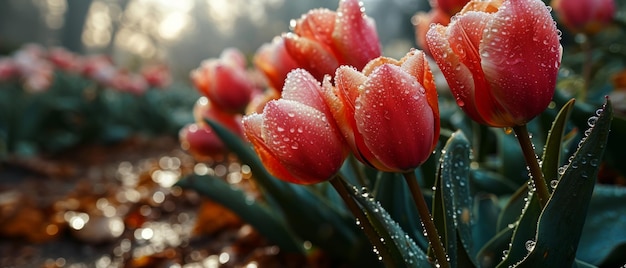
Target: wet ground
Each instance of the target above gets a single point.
(116, 206)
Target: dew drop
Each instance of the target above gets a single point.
(460, 102)
(554, 183)
(508, 130)
(592, 121)
(280, 129)
(530, 245)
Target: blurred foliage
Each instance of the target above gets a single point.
(76, 110)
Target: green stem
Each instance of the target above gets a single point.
(541, 187)
(431, 231)
(342, 189)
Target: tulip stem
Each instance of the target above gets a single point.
(431, 231)
(540, 185)
(342, 188)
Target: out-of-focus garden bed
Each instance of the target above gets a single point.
(114, 205)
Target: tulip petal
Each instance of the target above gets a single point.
(355, 34)
(458, 75)
(521, 57)
(302, 87)
(465, 35)
(341, 100)
(253, 125)
(311, 55)
(348, 80)
(303, 140)
(415, 64)
(273, 60)
(393, 114)
(317, 24)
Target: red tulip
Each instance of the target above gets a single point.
(500, 59)
(201, 142)
(224, 81)
(322, 40)
(586, 16)
(295, 136)
(204, 109)
(157, 75)
(389, 112)
(274, 62)
(450, 7)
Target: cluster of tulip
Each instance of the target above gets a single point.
(332, 95)
(51, 99)
(35, 66)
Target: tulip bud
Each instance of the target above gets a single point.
(389, 112)
(295, 136)
(501, 62)
(322, 40)
(204, 109)
(224, 81)
(585, 16)
(274, 62)
(201, 142)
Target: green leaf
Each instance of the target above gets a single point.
(310, 216)
(552, 151)
(269, 223)
(452, 201)
(486, 212)
(491, 182)
(605, 228)
(523, 233)
(561, 223)
(513, 208)
(492, 253)
(398, 245)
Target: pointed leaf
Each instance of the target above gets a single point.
(561, 222)
(492, 253)
(552, 151)
(604, 228)
(486, 211)
(269, 223)
(398, 245)
(491, 182)
(523, 233)
(452, 201)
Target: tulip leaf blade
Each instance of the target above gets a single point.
(552, 151)
(322, 224)
(484, 180)
(559, 230)
(493, 251)
(269, 223)
(486, 212)
(600, 242)
(398, 245)
(452, 201)
(523, 232)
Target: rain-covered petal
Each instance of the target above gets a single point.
(395, 119)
